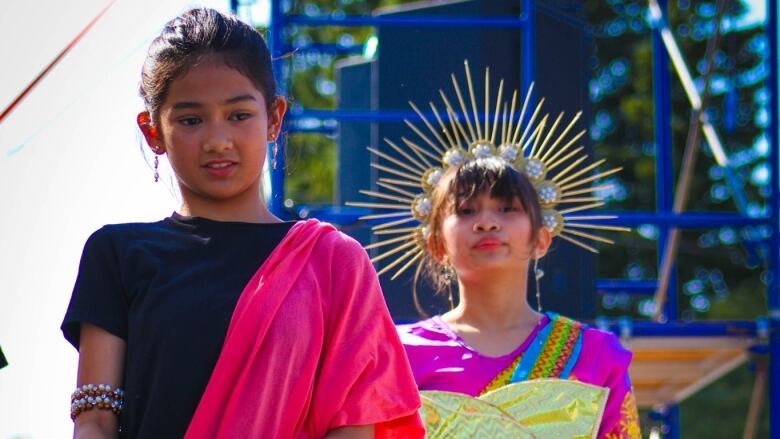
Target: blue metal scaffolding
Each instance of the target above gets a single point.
(773, 290)
(662, 217)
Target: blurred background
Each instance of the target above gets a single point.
(71, 160)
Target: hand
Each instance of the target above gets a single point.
(352, 432)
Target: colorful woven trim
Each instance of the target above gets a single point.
(503, 378)
(557, 349)
(553, 352)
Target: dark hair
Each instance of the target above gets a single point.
(199, 33)
(491, 175)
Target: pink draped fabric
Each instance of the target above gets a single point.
(310, 348)
(441, 360)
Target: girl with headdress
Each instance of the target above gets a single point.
(222, 321)
(493, 365)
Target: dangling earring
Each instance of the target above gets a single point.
(274, 150)
(276, 153)
(156, 168)
(449, 274)
(538, 274)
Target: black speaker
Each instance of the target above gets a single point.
(413, 63)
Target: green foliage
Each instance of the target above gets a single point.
(310, 169)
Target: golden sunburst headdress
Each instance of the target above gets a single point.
(545, 155)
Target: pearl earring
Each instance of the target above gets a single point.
(274, 149)
(538, 274)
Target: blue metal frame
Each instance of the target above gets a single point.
(672, 422)
(646, 287)
(663, 161)
(737, 328)
(773, 290)
(353, 49)
(276, 203)
(701, 220)
(527, 51)
(663, 216)
(430, 21)
(357, 115)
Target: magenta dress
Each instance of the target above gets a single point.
(441, 360)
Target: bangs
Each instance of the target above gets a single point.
(493, 176)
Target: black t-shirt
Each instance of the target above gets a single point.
(168, 289)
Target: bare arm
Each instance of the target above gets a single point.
(101, 361)
(352, 432)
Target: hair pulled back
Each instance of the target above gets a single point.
(200, 33)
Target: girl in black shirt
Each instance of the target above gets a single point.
(165, 310)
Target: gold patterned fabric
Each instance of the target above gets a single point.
(455, 415)
(628, 426)
(544, 408)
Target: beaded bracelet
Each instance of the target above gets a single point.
(90, 396)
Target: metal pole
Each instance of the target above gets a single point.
(384, 21)
(756, 400)
(528, 42)
(773, 287)
(687, 168)
(663, 158)
(672, 422)
(275, 204)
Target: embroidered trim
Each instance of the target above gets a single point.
(573, 357)
(557, 349)
(503, 378)
(553, 352)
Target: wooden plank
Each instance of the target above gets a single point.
(667, 370)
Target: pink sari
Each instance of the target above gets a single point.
(310, 348)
